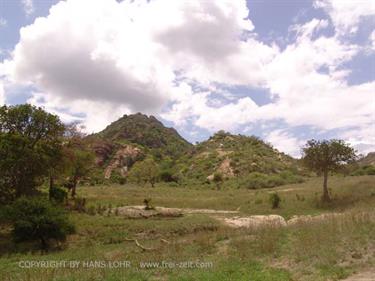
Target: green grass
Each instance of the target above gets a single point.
(327, 250)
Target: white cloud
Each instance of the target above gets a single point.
(105, 58)
(130, 52)
(285, 142)
(372, 40)
(28, 7)
(347, 14)
(2, 95)
(97, 115)
(3, 22)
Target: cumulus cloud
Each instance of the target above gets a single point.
(2, 96)
(28, 7)
(96, 60)
(372, 40)
(346, 14)
(3, 22)
(285, 142)
(130, 53)
(97, 115)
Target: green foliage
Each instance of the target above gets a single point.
(80, 163)
(327, 155)
(37, 219)
(246, 155)
(364, 170)
(275, 200)
(79, 204)
(58, 194)
(30, 147)
(146, 171)
(257, 180)
(148, 205)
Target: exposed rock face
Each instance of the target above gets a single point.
(224, 169)
(102, 151)
(123, 160)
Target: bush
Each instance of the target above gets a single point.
(148, 205)
(364, 170)
(167, 176)
(257, 180)
(38, 219)
(275, 200)
(58, 194)
(91, 210)
(79, 204)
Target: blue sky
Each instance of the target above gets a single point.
(286, 71)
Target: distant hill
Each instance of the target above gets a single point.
(235, 156)
(133, 137)
(369, 159)
(364, 166)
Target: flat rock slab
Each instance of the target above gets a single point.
(256, 221)
(141, 212)
(363, 276)
(279, 221)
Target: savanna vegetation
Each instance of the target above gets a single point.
(66, 197)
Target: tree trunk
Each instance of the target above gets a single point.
(325, 197)
(43, 243)
(51, 184)
(74, 187)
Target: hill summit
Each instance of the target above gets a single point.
(236, 156)
(135, 137)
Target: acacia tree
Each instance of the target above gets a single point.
(30, 145)
(327, 156)
(145, 171)
(78, 159)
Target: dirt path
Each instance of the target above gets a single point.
(363, 276)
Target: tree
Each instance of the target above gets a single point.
(327, 156)
(30, 145)
(80, 162)
(37, 219)
(218, 179)
(145, 171)
(77, 160)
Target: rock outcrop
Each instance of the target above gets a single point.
(123, 159)
(102, 150)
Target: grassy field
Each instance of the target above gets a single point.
(200, 247)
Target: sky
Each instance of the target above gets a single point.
(283, 70)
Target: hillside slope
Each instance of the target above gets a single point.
(132, 138)
(235, 156)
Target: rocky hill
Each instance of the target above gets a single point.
(235, 156)
(135, 137)
(131, 138)
(369, 159)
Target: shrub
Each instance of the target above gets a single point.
(257, 180)
(218, 179)
(91, 210)
(167, 176)
(147, 203)
(38, 219)
(275, 200)
(58, 194)
(79, 204)
(364, 170)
